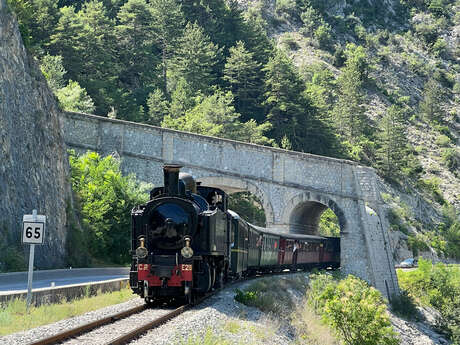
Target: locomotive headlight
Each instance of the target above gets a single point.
(141, 251)
(187, 252)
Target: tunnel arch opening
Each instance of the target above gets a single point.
(314, 218)
(314, 214)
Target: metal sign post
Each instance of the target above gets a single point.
(33, 233)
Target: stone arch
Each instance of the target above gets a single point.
(232, 185)
(303, 211)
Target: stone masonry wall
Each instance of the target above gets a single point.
(33, 159)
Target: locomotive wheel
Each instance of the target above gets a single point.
(204, 279)
(220, 280)
(213, 277)
(151, 302)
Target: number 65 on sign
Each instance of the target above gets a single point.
(33, 230)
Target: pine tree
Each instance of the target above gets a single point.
(283, 98)
(392, 142)
(430, 105)
(241, 73)
(196, 59)
(349, 112)
(85, 41)
(135, 41)
(158, 107)
(182, 99)
(169, 23)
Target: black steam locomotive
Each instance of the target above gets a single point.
(185, 242)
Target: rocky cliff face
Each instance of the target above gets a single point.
(33, 163)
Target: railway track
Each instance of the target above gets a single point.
(82, 334)
(84, 331)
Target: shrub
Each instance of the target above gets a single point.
(437, 286)
(106, 198)
(443, 140)
(11, 254)
(439, 47)
(432, 185)
(323, 36)
(404, 305)
(354, 309)
(417, 243)
(451, 159)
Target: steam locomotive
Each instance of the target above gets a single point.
(185, 242)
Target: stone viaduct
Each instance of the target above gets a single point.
(295, 188)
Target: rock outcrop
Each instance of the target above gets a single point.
(34, 170)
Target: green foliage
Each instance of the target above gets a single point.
(451, 158)
(393, 142)
(417, 244)
(74, 98)
(289, 110)
(14, 316)
(158, 107)
(271, 296)
(329, 224)
(54, 71)
(433, 97)
(248, 207)
(404, 305)
(85, 40)
(356, 311)
(135, 31)
(443, 140)
(242, 72)
(196, 59)
(168, 28)
(432, 186)
(246, 297)
(437, 286)
(106, 198)
(323, 36)
(215, 115)
(349, 111)
(396, 221)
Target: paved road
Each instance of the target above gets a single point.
(14, 282)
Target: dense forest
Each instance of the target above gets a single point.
(372, 81)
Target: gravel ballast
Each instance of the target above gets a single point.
(220, 319)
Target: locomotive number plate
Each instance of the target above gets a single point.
(186, 267)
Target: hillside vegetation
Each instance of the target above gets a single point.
(372, 81)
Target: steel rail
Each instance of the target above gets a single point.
(135, 333)
(89, 326)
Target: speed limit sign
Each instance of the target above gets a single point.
(33, 229)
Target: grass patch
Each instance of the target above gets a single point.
(310, 328)
(14, 318)
(232, 326)
(272, 296)
(209, 338)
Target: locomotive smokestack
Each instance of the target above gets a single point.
(171, 179)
